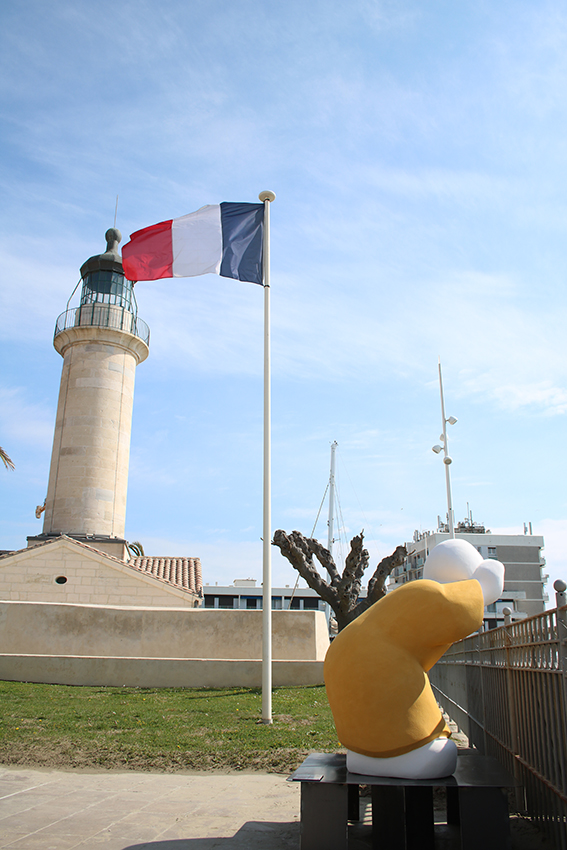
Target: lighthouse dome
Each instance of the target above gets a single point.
(103, 276)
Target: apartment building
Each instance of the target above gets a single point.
(521, 555)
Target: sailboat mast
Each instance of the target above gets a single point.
(331, 519)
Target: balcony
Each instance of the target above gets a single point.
(100, 315)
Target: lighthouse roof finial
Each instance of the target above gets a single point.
(110, 260)
(113, 239)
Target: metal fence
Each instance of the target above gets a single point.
(506, 689)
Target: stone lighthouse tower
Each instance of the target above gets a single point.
(101, 342)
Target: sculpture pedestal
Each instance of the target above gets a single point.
(402, 809)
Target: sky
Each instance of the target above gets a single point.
(417, 152)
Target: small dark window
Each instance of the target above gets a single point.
(226, 601)
(61, 580)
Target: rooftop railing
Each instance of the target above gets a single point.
(100, 315)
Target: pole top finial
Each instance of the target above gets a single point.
(266, 195)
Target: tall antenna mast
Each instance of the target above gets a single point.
(447, 460)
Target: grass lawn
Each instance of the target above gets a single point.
(161, 728)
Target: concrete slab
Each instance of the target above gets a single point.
(56, 810)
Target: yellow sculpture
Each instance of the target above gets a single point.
(376, 668)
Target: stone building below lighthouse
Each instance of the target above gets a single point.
(82, 555)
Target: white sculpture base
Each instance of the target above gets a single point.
(432, 761)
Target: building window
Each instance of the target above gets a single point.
(226, 601)
(251, 603)
(492, 552)
(310, 604)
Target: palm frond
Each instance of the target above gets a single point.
(6, 459)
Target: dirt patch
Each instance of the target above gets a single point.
(67, 755)
(292, 721)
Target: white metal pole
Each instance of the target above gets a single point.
(446, 459)
(267, 197)
(331, 520)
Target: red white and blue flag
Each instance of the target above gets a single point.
(225, 239)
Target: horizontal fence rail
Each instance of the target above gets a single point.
(103, 316)
(506, 689)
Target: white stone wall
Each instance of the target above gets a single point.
(155, 672)
(108, 625)
(30, 575)
(39, 628)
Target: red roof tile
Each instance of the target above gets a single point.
(184, 573)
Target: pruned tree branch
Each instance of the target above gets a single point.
(351, 582)
(341, 592)
(377, 584)
(325, 559)
(298, 551)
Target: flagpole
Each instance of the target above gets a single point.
(267, 197)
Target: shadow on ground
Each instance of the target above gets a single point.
(285, 836)
(253, 835)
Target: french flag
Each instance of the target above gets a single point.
(225, 239)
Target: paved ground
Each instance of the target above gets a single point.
(54, 810)
(57, 810)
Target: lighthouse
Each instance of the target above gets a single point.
(101, 342)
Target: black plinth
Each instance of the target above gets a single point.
(402, 809)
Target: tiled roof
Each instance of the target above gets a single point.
(184, 573)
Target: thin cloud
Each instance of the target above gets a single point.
(23, 421)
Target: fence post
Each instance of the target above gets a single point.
(482, 713)
(561, 601)
(561, 597)
(511, 694)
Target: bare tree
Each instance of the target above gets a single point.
(341, 592)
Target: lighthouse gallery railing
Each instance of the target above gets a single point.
(102, 315)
